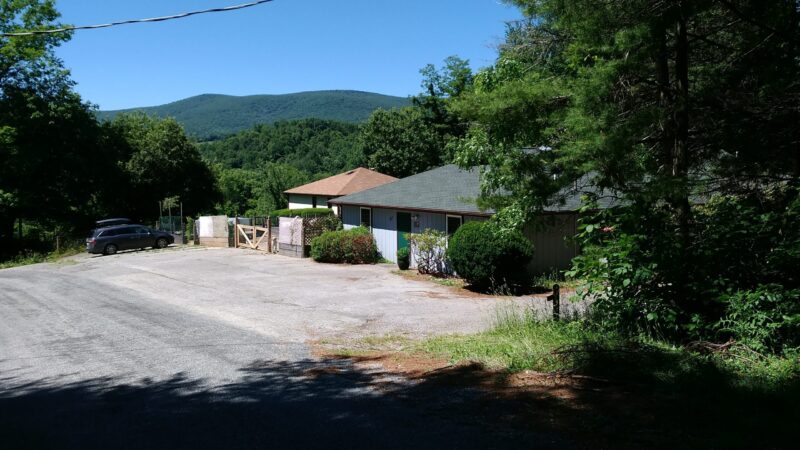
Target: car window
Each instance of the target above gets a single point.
(126, 230)
(142, 230)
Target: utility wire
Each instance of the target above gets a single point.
(125, 22)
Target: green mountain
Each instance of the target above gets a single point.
(211, 116)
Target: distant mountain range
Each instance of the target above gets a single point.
(211, 116)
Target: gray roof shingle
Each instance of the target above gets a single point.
(449, 189)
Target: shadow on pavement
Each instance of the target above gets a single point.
(275, 404)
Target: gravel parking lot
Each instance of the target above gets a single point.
(193, 347)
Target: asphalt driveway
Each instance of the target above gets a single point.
(208, 348)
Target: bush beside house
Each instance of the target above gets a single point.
(353, 246)
(487, 257)
(403, 258)
(429, 251)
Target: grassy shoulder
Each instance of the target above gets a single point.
(520, 342)
(607, 391)
(29, 257)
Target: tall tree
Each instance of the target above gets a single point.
(51, 166)
(660, 102)
(160, 161)
(651, 98)
(400, 142)
(28, 62)
(439, 88)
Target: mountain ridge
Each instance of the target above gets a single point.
(211, 116)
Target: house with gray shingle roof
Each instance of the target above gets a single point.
(443, 199)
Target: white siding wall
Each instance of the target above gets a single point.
(551, 249)
(299, 201)
(384, 229)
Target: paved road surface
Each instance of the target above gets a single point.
(201, 348)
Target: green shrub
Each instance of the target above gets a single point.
(735, 277)
(429, 248)
(488, 257)
(766, 318)
(353, 246)
(403, 258)
(303, 212)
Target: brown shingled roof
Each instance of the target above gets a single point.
(345, 183)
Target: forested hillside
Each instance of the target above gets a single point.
(311, 145)
(211, 116)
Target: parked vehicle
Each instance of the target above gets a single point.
(111, 222)
(110, 240)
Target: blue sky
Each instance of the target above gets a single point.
(279, 47)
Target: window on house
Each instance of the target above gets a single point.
(453, 223)
(366, 217)
(314, 201)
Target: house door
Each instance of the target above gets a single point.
(403, 227)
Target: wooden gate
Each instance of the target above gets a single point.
(254, 236)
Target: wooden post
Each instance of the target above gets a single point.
(236, 232)
(269, 235)
(171, 222)
(556, 299)
(58, 243)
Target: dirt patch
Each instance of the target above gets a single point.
(436, 295)
(317, 372)
(598, 413)
(458, 287)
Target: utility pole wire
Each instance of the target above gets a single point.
(125, 22)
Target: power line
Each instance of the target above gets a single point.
(125, 22)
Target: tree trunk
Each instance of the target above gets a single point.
(680, 150)
(659, 33)
(794, 24)
(680, 154)
(7, 228)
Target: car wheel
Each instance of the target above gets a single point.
(161, 243)
(110, 249)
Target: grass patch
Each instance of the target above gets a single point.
(385, 341)
(544, 282)
(650, 394)
(440, 280)
(30, 257)
(520, 341)
(516, 343)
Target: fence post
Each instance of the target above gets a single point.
(556, 299)
(236, 232)
(269, 235)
